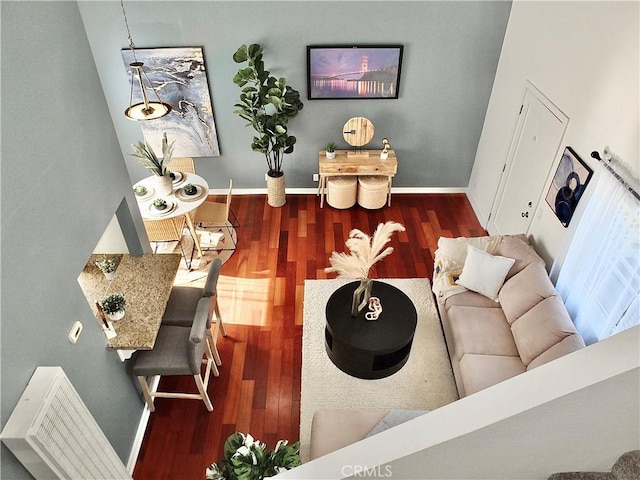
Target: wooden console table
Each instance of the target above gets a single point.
(355, 162)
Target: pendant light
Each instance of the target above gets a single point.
(146, 109)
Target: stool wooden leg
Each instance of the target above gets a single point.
(146, 392)
(219, 319)
(203, 392)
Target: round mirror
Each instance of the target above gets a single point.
(358, 131)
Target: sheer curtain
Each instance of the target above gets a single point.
(600, 277)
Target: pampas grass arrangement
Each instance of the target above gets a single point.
(365, 251)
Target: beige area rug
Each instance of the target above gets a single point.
(425, 382)
(212, 240)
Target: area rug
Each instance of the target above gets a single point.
(425, 382)
(215, 244)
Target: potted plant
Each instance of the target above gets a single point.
(156, 165)
(330, 149)
(113, 306)
(160, 203)
(107, 266)
(267, 104)
(249, 459)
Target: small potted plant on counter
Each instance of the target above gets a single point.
(330, 149)
(113, 306)
(107, 266)
(249, 459)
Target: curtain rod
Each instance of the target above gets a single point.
(610, 169)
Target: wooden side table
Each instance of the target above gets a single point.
(354, 162)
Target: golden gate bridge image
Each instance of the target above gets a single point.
(349, 79)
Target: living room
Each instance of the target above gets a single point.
(460, 91)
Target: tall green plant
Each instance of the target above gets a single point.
(267, 104)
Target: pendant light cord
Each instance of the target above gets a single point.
(126, 24)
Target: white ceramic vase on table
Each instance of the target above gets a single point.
(162, 184)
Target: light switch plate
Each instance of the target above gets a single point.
(75, 332)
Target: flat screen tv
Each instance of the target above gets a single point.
(340, 72)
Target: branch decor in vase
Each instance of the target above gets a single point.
(365, 251)
(249, 459)
(146, 157)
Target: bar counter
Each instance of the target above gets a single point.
(145, 281)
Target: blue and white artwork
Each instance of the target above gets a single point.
(179, 77)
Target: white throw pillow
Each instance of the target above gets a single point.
(484, 273)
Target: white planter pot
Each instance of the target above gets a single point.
(116, 315)
(109, 275)
(331, 155)
(162, 185)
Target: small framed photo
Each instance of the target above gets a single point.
(567, 186)
(340, 72)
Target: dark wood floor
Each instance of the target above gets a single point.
(261, 293)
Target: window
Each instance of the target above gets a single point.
(600, 277)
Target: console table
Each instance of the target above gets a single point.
(355, 162)
(370, 349)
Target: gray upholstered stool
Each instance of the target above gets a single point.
(372, 191)
(183, 301)
(178, 351)
(341, 191)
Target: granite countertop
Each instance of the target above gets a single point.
(145, 281)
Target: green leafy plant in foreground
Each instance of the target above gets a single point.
(249, 459)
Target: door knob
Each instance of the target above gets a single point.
(530, 204)
(525, 214)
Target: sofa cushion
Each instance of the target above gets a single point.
(481, 371)
(481, 331)
(525, 290)
(519, 248)
(567, 345)
(541, 327)
(470, 299)
(456, 248)
(484, 273)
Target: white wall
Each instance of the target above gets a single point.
(584, 56)
(579, 413)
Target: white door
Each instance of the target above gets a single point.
(533, 150)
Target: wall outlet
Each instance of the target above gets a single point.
(75, 332)
(316, 177)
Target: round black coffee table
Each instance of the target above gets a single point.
(370, 349)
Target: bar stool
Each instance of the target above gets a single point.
(372, 191)
(178, 351)
(341, 191)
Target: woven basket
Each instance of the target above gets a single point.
(372, 191)
(275, 191)
(341, 192)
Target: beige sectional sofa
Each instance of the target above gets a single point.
(490, 341)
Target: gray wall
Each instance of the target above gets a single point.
(63, 177)
(63, 138)
(450, 57)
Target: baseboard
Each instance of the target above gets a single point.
(314, 191)
(142, 427)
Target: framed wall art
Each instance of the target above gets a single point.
(567, 186)
(180, 78)
(337, 72)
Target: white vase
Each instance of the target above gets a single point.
(384, 155)
(162, 185)
(331, 155)
(109, 275)
(115, 315)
